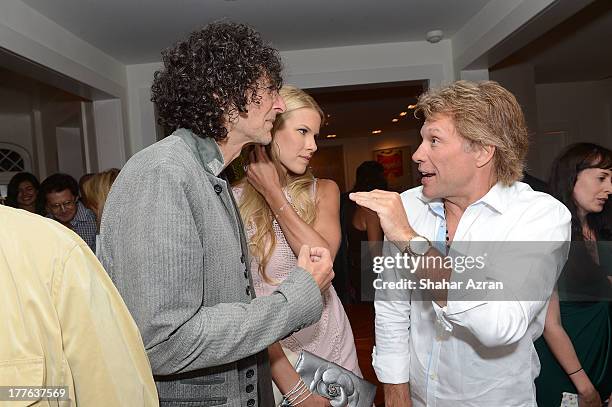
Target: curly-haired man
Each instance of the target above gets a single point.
(172, 239)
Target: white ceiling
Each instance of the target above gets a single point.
(134, 31)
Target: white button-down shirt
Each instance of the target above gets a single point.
(474, 353)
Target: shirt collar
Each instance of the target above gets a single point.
(205, 149)
(497, 198)
(81, 214)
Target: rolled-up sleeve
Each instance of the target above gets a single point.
(391, 355)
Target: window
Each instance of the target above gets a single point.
(11, 161)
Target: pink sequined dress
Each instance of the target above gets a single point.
(331, 338)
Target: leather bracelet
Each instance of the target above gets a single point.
(569, 374)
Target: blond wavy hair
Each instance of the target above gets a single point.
(485, 114)
(254, 209)
(96, 189)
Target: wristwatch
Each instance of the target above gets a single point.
(417, 246)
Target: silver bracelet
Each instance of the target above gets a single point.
(300, 394)
(298, 386)
(302, 400)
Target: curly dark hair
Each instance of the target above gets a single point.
(211, 77)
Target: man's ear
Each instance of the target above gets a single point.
(484, 155)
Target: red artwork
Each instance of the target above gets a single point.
(393, 162)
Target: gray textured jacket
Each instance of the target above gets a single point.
(173, 243)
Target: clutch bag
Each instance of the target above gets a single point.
(341, 386)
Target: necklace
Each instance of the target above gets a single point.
(446, 224)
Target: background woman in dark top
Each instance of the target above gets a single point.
(361, 225)
(22, 192)
(576, 348)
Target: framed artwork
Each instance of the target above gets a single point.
(399, 170)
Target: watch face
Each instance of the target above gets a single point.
(419, 245)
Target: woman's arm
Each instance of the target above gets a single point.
(285, 377)
(324, 232)
(374, 231)
(561, 346)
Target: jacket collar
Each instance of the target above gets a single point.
(205, 149)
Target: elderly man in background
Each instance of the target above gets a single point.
(59, 193)
(437, 349)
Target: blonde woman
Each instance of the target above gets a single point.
(95, 192)
(284, 207)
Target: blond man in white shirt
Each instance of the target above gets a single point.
(435, 347)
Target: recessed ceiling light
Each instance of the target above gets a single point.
(376, 131)
(395, 120)
(403, 113)
(331, 136)
(411, 106)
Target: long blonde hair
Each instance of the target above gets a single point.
(96, 189)
(254, 210)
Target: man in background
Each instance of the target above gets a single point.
(59, 193)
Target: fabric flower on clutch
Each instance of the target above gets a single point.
(335, 385)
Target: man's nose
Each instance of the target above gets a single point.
(419, 156)
(279, 104)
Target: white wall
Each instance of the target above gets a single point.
(70, 151)
(493, 24)
(140, 108)
(29, 34)
(109, 143)
(26, 32)
(371, 63)
(15, 120)
(571, 113)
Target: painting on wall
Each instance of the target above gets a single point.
(399, 169)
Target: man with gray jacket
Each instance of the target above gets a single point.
(172, 239)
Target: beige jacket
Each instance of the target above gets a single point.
(62, 322)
